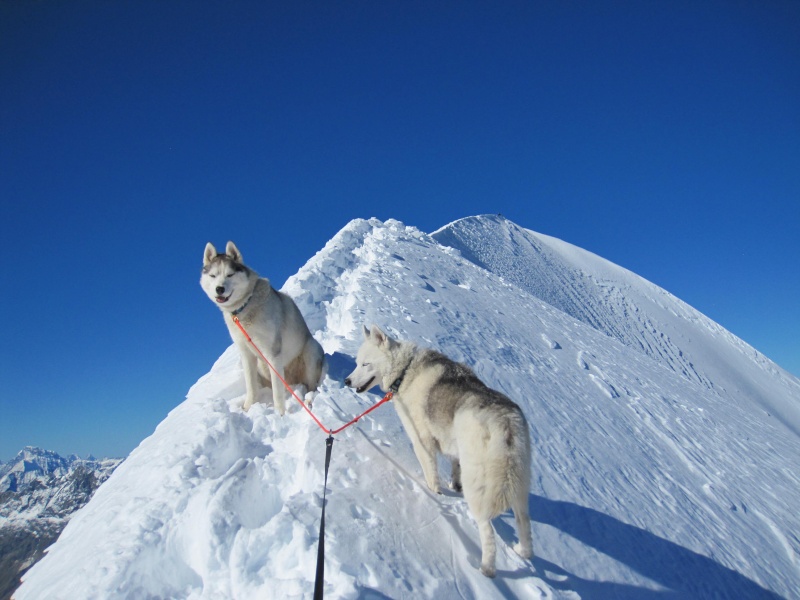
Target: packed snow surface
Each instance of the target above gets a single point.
(626, 307)
(661, 465)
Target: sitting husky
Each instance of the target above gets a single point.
(445, 408)
(272, 320)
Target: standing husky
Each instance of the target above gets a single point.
(272, 320)
(446, 409)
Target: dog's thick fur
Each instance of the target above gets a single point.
(273, 322)
(446, 409)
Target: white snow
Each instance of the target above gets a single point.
(649, 478)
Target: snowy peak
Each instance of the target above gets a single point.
(41, 482)
(645, 480)
(549, 269)
(332, 289)
(31, 464)
(627, 308)
(34, 461)
(39, 492)
(317, 283)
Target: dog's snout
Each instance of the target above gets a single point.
(220, 290)
(347, 382)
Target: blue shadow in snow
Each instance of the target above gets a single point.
(340, 366)
(683, 572)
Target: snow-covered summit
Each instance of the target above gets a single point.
(36, 464)
(39, 491)
(628, 308)
(646, 481)
(29, 463)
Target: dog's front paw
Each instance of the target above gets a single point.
(488, 570)
(435, 488)
(308, 399)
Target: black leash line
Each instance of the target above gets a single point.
(318, 584)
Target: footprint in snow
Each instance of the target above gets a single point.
(604, 386)
(360, 513)
(596, 374)
(349, 478)
(582, 363)
(552, 344)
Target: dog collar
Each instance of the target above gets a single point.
(238, 311)
(399, 381)
(396, 385)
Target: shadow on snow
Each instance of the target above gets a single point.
(683, 572)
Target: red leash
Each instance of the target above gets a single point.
(385, 399)
(320, 574)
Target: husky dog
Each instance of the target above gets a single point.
(446, 409)
(272, 320)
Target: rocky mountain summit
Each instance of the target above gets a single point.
(39, 492)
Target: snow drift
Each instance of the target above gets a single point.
(657, 471)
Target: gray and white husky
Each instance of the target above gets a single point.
(446, 409)
(272, 320)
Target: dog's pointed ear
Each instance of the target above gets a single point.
(209, 254)
(380, 337)
(232, 251)
(366, 332)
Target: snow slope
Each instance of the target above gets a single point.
(628, 308)
(647, 482)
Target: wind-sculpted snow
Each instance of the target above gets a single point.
(628, 308)
(646, 483)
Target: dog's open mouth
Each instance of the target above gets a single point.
(223, 299)
(366, 386)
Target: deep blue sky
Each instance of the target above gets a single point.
(663, 136)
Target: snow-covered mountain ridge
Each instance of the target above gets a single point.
(647, 482)
(628, 308)
(36, 464)
(39, 492)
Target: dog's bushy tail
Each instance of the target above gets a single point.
(513, 451)
(501, 476)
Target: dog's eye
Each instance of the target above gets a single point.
(229, 275)
(365, 364)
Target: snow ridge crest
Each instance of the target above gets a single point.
(645, 478)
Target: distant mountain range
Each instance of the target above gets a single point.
(39, 492)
